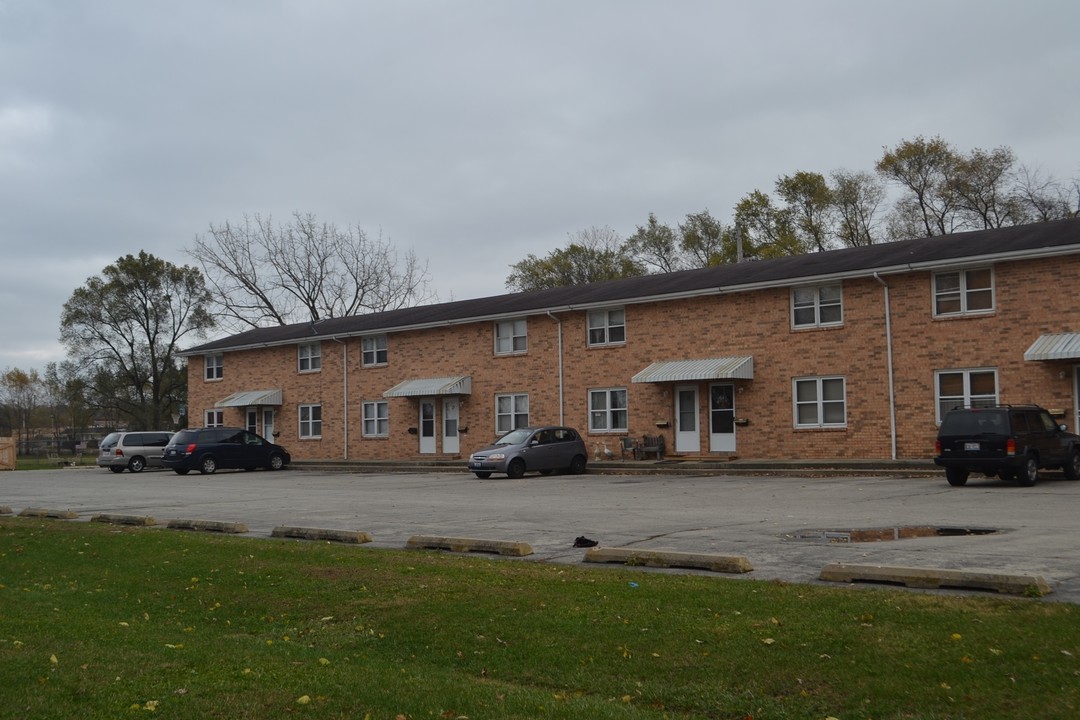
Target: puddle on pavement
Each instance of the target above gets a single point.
(887, 534)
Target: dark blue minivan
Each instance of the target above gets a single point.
(216, 448)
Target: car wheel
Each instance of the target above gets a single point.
(957, 477)
(208, 465)
(117, 468)
(483, 475)
(515, 469)
(276, 461)
(577, 465)
(1029, 474)
(136, 464)
(180, 471)
(1071, 468)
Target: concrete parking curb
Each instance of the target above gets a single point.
(661, 558)
(46, 513)
(141, 520)
(460, 544)
(342, 536)
(937, 578)
(234, 528)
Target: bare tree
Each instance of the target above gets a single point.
(1044, 198)
(857, 198)
(263, 273)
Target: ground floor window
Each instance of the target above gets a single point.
(376, 419)
(820, 402)
(965, 388)
(215, 418)
(311, 421)
(607, 410)
(511, 412)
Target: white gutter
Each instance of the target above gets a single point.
(892, 383)
(560, 350)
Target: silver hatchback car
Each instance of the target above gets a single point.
(532, 449)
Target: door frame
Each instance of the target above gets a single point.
(426, 427)
(451, 437)
(687, 441)
(722, 442)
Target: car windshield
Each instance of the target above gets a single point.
(976, 422)
(514, 437)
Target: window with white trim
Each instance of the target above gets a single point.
(215, 366)
(309, 357)
(976, 387)
(965, 292)
(820, 402)
(607, 410)
(376, 417)
(511, 412)
(819, 306)
(511, 337)
(373, 350)
(215, 418)
(607, 327)
(310, 421)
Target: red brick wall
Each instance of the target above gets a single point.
(751, 323)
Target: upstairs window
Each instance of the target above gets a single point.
(215, 367)
(965, 292)
(373, 350)
(309, 357)
(511, 337)
(819, 306)
(607, 327)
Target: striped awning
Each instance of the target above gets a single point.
(250, 398)
(721, 368)
(426, 387)
(1055, 346)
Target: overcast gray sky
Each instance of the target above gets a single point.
(476, 131)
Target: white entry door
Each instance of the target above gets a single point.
(427, 426)
(722, 418)
(268, 425)
(450, 442)
(687, 437)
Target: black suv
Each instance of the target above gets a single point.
(1010, 441)
(210, 449)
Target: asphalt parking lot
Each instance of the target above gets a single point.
(788, 527)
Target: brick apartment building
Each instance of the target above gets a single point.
(844, 354)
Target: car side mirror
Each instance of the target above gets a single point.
(1063, 427)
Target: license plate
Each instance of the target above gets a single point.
(971, 447)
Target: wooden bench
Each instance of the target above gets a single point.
(650, 444)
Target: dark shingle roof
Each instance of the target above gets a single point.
(1056, 237)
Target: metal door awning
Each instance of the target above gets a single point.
(426, 387)
(1055, 346)
(720, 368)
(250, 398)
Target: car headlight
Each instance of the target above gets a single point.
(497, 456)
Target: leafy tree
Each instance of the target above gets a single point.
(263, 273)
(856, 198)
(927, 170)
(655, 246)
(705, 242)
(767, 230)
(593, 255)
(811, 208)
(124, 329)
(22, 393)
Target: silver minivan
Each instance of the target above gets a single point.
(132, 450)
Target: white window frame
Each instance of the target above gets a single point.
(819, 403)
(375, 415)
(962, 293)
(609, 410)
(309, 427)
(514, 416)
(511, 337)
(373, 351)
(606, 327)
(215, 418)
(213, 367)
(309, 357)
(816, 305)
(967, 398)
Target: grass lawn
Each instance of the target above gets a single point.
(98, 621)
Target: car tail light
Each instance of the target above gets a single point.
(118, 452)
(1010, 447)
(190, 448)
(937, 447)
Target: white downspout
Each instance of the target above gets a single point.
(559, 322)
(892, 381)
